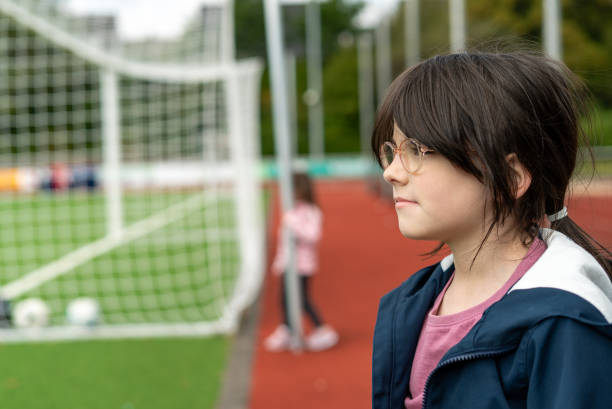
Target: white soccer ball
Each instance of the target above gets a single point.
(83, 311)
(31, 313)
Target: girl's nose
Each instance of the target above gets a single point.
(395, 172)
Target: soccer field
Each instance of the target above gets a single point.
(126, 374)
(165, 275)
(123, 374)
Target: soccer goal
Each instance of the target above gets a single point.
(127, 176)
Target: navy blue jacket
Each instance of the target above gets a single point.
(547, 344)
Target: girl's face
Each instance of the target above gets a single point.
(440, 202)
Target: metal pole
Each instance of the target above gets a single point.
(292, 93)
(457, 25)
(383, 57)
(366, 89)
(552, 29)
(228, 48)
(412, 30)
(314, 65)
(278, 82)
(112, 152)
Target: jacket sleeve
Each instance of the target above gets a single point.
(569, 365)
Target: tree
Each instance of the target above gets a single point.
(586, 34)
(339, 67)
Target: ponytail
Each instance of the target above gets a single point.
(568, 227)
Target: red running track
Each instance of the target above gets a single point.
(362, 256)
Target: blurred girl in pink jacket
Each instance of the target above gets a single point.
(305, 221)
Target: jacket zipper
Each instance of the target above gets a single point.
(461, 358)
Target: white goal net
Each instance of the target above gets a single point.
(129, 198)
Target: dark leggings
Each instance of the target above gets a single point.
(307, 305)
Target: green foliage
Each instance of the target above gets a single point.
(267, 130)
(340, 96)
(341, 107)
(249, 28)
(587, 50)
(336, 16)
(586, 34)
(602, 127)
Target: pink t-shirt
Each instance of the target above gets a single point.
(441, 333)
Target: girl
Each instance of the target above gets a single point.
(305, 222)
(479, 149)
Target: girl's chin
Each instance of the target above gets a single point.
(414, 236)
(412, 232)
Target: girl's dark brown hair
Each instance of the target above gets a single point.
(302, 185)
(476, 108)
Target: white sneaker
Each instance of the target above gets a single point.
(279, 340)
(322, 338)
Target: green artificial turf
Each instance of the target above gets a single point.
(176, 273)
(165, 373)
(125, 374)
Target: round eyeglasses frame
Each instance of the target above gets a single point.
(410, 151)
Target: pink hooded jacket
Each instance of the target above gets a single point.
(305, 221)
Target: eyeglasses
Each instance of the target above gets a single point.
(410, 151)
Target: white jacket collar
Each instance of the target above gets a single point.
(567, 266)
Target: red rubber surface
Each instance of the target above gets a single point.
(362, 256)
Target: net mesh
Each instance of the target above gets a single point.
(120, 186)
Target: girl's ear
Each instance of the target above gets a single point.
(522, 177)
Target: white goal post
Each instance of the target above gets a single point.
(128, 174)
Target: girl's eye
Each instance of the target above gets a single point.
(413, 148)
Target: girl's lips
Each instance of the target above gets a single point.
(399, 202)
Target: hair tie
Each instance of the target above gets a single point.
(557, 216)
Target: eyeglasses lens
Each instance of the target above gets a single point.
(409, 155)
(387, 153)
